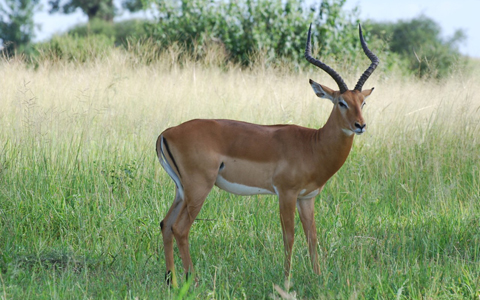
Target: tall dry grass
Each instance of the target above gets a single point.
(113, 92)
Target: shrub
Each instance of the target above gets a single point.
(120, 32)
(74, 48)
(276, 28)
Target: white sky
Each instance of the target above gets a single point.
(450, 14)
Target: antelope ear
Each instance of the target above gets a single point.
(367, 93)
(322, 91)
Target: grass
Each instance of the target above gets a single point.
(82, 192)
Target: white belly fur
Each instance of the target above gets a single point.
(239, 189)
(309, 195)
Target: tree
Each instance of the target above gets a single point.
(419, 42)
(102, 9)
(95, 9)
(16, 24)
(135, 5)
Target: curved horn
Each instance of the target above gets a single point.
(371, 56)
(308, 55)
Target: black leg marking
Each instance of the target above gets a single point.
(171, 156)
(161, 225)
(168, 277)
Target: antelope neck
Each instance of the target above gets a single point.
(333, 146)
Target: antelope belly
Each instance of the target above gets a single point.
(239, 189)
(309, 195)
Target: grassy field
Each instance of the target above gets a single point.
(82, 192)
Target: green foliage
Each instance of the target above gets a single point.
(419, 43)
(245, 31)
(96, 9)
(16, 24)
(276, 28)
(135, 5)
(102, 9)
(74, 48)
(120, 32)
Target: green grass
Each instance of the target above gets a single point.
(82, 192)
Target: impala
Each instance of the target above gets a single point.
(289, 161)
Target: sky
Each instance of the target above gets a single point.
(449, 14)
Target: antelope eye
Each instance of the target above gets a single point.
(342, 104)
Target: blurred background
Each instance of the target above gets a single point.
(420, 37)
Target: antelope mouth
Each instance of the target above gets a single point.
(359, 131)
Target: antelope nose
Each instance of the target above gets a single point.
(360, 126)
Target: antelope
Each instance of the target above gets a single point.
(289, 161)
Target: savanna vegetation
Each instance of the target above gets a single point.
(82, 192)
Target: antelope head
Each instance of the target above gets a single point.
(348, 104)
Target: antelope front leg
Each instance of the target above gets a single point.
(306, 211)
(287, 219)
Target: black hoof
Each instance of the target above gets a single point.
(168, 278)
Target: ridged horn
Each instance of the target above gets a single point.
(371, 56)
(338, 79)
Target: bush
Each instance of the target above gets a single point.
(74, 48)
(277, 28)
(269, 32)
(120, 32)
